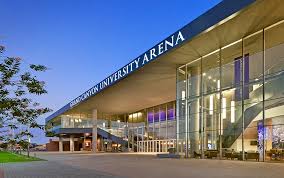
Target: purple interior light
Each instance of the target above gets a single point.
(150, 117)
(238, 75)
(171, 114)
(156, 117)
(246, 76)
(162, 115)
(237, 79)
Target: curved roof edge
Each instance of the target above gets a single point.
(213, 16)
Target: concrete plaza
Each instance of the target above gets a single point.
(73, 165)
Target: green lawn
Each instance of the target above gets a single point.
(6, 157)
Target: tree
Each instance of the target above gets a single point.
(18, 88)
(4, 146)
(24, 145)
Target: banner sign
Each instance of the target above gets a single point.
(145, 58)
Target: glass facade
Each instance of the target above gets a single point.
(230, 102)
(70, 121)
(113, 123)
(153, 129)
(229, 105)
(148, 130)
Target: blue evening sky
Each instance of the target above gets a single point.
(84, 41)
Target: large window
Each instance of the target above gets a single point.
(153, 129)
(230, 102)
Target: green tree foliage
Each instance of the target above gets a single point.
(17, 88)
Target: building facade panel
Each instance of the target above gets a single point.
(229, 102)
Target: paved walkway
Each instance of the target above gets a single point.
(130, 165)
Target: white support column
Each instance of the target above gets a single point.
(71, 143)
(137, 138)
(143, 144)
(94, 138)
(60, 144)
(159, 133)
(166, 146)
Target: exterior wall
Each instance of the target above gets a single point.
(230, 102)
(152, 129)
(52, 146)
(66, 146)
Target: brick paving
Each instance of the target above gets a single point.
(54, 168)
(49, 170)
(130, 165)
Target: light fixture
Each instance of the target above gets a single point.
(218, 88)
(182, 95)
(118, 121)
(232, 111)
(223, 108)
(209, 77)
(204, 74)
(218, 84)
(211, 104)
